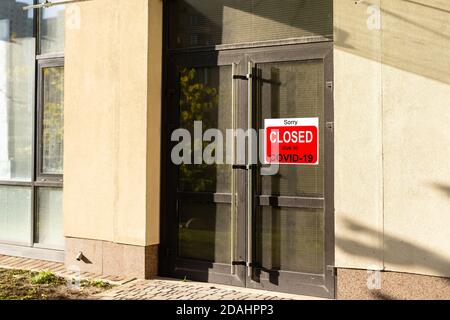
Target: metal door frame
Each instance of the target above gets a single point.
(219, 273)
(325, 286)
(170, 265)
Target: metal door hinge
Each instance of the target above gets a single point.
(330, 125)
(330, 85)
(242, 77)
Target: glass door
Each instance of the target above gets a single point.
(225, 219)
(291, 246)
(201, 203)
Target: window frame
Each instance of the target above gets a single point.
(38, 180)
(41, 180)
(40, 175)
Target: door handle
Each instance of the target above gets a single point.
(248, 167)
(250, 171)
(233, 174)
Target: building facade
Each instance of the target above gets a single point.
(115, 81)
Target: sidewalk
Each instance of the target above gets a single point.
(155, 289)
(174, 289)
(8, 262)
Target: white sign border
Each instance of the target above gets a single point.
(279, 122)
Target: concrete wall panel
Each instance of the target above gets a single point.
(113, 65)
(392, 172)
(358, 138)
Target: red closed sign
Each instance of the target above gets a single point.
(292, 141)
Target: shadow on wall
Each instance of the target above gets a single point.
(202, 22)
(381, 296)
(443, 188)
(414, 36)
(406, 253)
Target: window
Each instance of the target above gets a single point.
(15, 218)
(194, 39)
(50, 119)
(49, 220)
(195, 21)
(31, 125)
(236, 21)
(17, 69)
(51, 27)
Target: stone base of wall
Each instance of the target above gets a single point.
(115, 259)
(362, 284)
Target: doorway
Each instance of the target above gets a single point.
(229, 223)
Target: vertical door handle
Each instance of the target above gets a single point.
(233, 173)
(250, 171)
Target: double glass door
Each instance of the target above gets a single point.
(226, 218)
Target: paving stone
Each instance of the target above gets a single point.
(157, 289)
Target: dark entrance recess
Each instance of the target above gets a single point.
(230, 224)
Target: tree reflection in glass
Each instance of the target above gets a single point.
(204, 226)
(53, 120)
(203, 98)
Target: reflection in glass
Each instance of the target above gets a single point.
(205, 95)
(15, 214)
(17, 60)
(52, 30)
(53, 120)
(206, 22)
(290, 239)
(293, 90)
(204, 231)
(49, 224)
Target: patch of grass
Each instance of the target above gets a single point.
(45, 277)
(27, 285)
(96, 283)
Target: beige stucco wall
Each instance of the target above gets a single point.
(112, 121)
(154, 79)
(358, 137)
(416, 105)
(392, 104)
